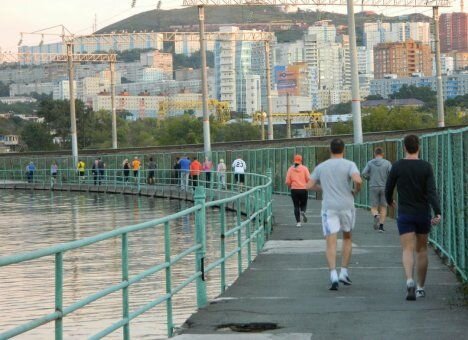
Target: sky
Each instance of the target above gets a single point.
(78, 16)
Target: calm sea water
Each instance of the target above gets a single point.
(33, 220)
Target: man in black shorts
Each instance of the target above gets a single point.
(239, 167)
(417, 194)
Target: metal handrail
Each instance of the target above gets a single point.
(257, 207)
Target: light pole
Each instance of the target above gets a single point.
(206, 114)
(263, 115)
(74, 138)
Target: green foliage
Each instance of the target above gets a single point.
(131, 55)
(374, 97)
(240, 131)
(4, 90)
(11, 126)
(383, 119)
(37, 137)
(289, 36)
(340, 109)
(194, 61)
(422, 93)
(460, 101)
(180, 130)
(19, 108)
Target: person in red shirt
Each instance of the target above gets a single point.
(296, 179)
(195, 170)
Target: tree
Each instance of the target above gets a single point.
(341, 108)
(240, 131)
(37, 137)
(4, 90)
(423, 93)
(179, 130)
(374, 97)
(460, 101)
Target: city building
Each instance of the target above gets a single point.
(253, 94)
(61, 90)
(453, 32)
(235, 59)
(296, 104)
(292, 79)
(447, 65)
(402, 59)
(29, 88)
(156, 60)
(290, 53)
(15, 100)
(452, 86)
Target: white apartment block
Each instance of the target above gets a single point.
(253, 94)
(324, 31)
(289, 53)
(447, 65)
(139, 106)
(62, 90)
(452, 85)
(297, 104)
(189, 44)
(27, 89)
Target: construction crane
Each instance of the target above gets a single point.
(356, 101)
(219, 109)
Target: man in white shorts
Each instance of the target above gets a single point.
(335, 178)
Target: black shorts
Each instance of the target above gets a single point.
(239, 177)
(419, 224)
(151, 174)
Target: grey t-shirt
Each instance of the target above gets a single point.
(334, 176)
(377, 171)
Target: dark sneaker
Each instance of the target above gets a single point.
(420, 293)
(304, 217)
(345, 280)
(381, 229)
(410, 292)
(376, 222)
(334, 285)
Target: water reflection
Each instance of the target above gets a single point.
(32, 220)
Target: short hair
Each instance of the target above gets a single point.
(411, 143)
(151, 158)
(378, 151)
(337, 146)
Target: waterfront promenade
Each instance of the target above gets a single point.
(287, 285)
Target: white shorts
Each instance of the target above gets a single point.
(334, 221)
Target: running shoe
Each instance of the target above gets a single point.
(298, 224)
(376, 222)
(381, 229)
(304, 217)
(420, 293)
(334, 285)
(344, 279)
(410, 292)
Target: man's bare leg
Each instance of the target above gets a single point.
(421, 259)
(331, 259)
(383, 214)
(407, 241)
(345, 258)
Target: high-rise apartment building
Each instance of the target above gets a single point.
(235, 61)
(453, 32)
(402, 59)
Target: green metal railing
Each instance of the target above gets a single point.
(253, 225)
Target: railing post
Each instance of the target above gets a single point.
(239, 237)
(200, 239)
(125, 305)
(248, 227)
(167, 259)
(269, 174)
(222, 223)
(59, 295)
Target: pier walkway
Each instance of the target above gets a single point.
(286, 287)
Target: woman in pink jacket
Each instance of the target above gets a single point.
(296, 179)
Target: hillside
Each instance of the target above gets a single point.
(163, 20)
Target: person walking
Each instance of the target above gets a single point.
(376, 171)
(151, 171)
(207, 167)
(239, 167)
(54, 171)
(184, 163)
(30, 169)
(81, 166)
(221, 169)
(195, 170)
(95, 171)
(335, 177)
(136, 164)
(414, 180)
(296, 180)
(126, 170)
(101, 168)
(176, 168)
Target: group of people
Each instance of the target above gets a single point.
(31, 169)
(187, 171)
(340, 180)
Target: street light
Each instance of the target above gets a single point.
(263, 115)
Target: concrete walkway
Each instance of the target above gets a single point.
(287, 285)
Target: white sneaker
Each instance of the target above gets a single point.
(298, 224)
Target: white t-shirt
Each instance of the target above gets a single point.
(239, 166)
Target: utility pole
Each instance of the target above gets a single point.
(440, 95)
(268, 88)
(288, 117)
(356, 98)
(71, 86)
(206, 114)
(114, 113)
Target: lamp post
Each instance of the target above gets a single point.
(263, 115)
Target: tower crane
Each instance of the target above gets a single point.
(356, 101)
